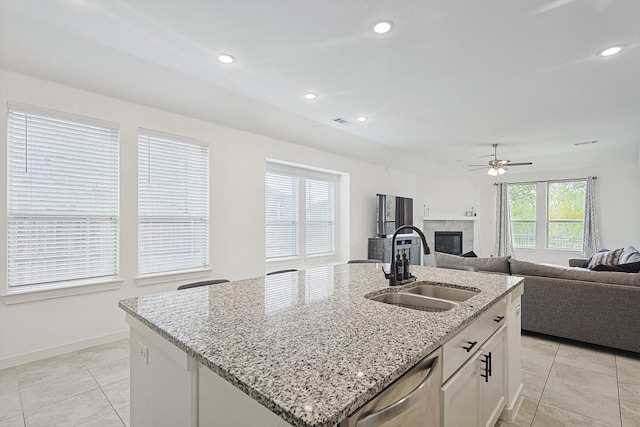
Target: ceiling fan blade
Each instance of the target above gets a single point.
(519, 164)
(477, 169)
(485, 166)
(502, 162)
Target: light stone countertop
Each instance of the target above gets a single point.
(308, 345)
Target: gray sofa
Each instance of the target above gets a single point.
(596, 307)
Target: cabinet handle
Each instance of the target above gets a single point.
(487, 367)
(471, 345)
(498, 319)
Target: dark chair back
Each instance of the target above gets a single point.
(291, 270)
(204, 283)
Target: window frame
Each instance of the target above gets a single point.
(549, 221)
(100, 131)
(533, 221)
(156, 277)
(302, 173)
(542, 218)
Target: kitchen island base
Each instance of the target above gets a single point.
(228, 355)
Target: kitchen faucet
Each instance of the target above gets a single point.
(393, 280)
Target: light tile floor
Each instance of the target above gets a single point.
(571, 384)
(565, 384)
(88, 388)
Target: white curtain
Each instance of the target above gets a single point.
(591, 234)
(504, 244)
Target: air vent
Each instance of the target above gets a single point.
(586, 142)
(341, 121)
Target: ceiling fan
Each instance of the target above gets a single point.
(496, 166)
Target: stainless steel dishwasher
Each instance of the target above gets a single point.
(412, 400)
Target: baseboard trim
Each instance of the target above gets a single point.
(56, 351)
(509, 413)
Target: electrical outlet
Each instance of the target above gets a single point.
(143, 351)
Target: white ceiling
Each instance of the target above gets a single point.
(452, 78)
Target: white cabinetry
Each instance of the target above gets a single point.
(475, 395)
(223, 404)
(493, 387)
(164, 381)
(461, 397)
(475, 371)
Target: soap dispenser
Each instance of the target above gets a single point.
(405, 265)
(399, 268)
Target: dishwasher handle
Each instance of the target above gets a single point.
(398, 407)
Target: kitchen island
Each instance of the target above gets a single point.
(308, 346)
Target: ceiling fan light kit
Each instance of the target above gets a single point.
(496, 166)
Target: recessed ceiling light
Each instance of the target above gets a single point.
(382, 27)
(226, 59)
(610, 51)
(310, 96)
(362, 118)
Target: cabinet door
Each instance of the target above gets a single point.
(461, 396)
(493, 367)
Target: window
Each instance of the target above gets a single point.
(561, 203)
(565, 215)
(173, 204)
(522, 205)
(63, 191)
(300, 213)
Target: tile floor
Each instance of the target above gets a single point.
(88, 388)
(565, 384)
(571, 384)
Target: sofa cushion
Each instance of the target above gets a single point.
(629, 255)
(493, 264)
(524, 268)
(606, 258)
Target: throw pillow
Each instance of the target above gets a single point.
(632, 267)
(606, 258)
(588, 263)
(629, 255)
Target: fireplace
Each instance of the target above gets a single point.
(449, 242)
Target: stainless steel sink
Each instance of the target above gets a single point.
(441, 292)
(416, 302)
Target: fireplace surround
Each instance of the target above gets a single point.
(468, 225)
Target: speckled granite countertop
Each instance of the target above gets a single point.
(308, 345)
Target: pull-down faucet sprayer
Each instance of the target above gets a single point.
(393, 280)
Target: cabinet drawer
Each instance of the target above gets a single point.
(465, 344)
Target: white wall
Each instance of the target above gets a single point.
(33, 330)
(449, 192)
(618, 188)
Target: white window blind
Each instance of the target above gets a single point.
(173, 204)
(320, 212)
(63, 192)
(282, 225)
(300, 212)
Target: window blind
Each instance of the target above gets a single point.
(282, 225)
(320, 211)
(63, 192)
(173, 204)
